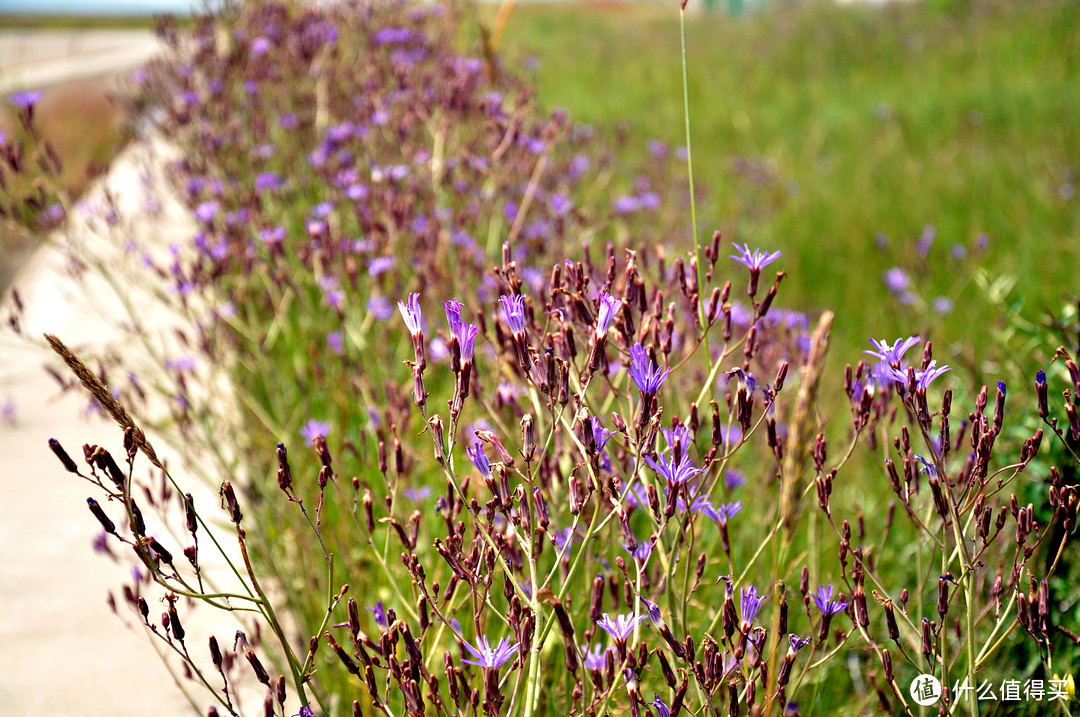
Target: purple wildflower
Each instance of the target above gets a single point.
(926, 240)
(825, 603)
(622, 626)
(647, 375)
(680, 437)
(206, 211)
(479, 459)
(600, 434)
(943, 305)
(896, 280)
(923, 377)
(379, 613)
(661, 708)
(675, 472)
(488, 656)
(305, 711)
(733, 478)
(609, 308)
(796, 643)
(453, 316)
(595, 658)
(267, 181)
(751, 604)
(411, 313)
(313, 429)
(417, 495)
(514, 311)
(336, 342)
(641, 552)
(892, 354)
(25, 99)
(380, 265)
(755, 260)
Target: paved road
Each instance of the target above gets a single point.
(37, 58)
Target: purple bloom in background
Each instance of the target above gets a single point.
(625, 204)
(674, 472)
(657, 148)
(754, 260)
(896, 280)
(305, 711)
(641, 552)
(825, 603)
(645, 373)
(514, 311)
(7, 412)
(381, 307)
(411, 313)
(733, 478)
(563, 539)
(560, 204)
(417, 495)
(892, 354)
(260, 46)
(751, 604)
(313, 429)
(622, 626)
(479, 459)
(958, 251)
(595, 658)
(609, 308)
(600, 434)
(943, 305)
(926, 240)
(25, 99)
(379, 613)
(336, 342)
(206, 211)
(488, 656)
(661, 708)
(267, 181)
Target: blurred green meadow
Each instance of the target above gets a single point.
(818, 126)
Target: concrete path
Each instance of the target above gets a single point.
(35, 58)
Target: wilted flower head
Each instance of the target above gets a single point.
(645, 373)
(514, 311)
(488, 656)
(410, 312)
(892, 354)
(621, 627)
(823, 599)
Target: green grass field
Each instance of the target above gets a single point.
(858, 120)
